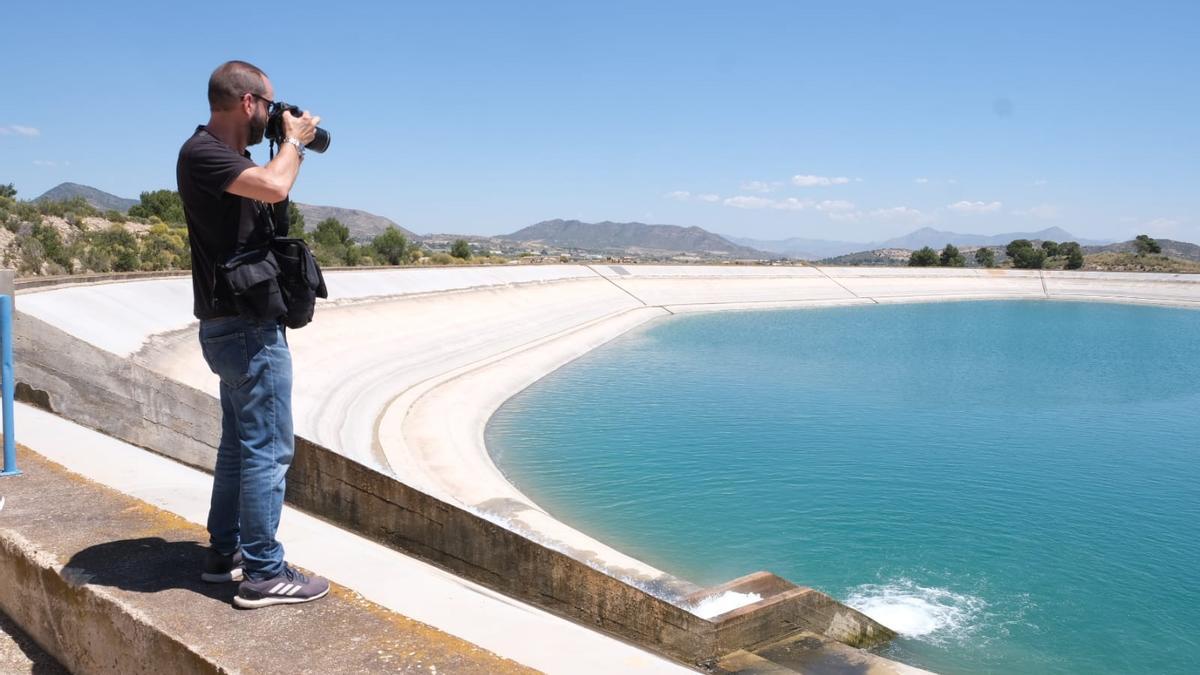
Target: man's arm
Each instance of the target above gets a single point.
(273, 182)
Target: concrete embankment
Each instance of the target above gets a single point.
(110, 584)
(399, 373)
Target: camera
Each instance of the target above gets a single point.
(320, 143)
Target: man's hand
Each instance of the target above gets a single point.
(271, 183)
(303, 128)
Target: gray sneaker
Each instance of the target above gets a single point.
(219, 568)
(289, 588)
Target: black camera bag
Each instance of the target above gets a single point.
(300, 280)
(276, 280)
(253, 277)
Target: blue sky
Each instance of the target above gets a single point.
(855, 121)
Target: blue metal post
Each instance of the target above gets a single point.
(6, 381)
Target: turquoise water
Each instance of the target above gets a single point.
(1014, 485)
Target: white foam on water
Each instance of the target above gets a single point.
(934, 615)
(716, 605)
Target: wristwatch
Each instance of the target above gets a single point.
(295, 142)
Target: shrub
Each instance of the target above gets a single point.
(1144, 245)
(950, 257)
(165, 204)
(460, 249)
(925, 257)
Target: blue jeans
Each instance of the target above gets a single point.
(255, 367)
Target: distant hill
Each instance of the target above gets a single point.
(632, 238)
(816, 249)
(1170, 247)
(800, 248)
(98, 199)
(879, 256)
(927, 236)
(363, 226)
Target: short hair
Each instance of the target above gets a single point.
(232, 80)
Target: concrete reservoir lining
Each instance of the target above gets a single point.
(400, 371)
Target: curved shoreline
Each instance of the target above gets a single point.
(455, 463)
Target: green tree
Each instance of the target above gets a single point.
(8, 191)
(1029, 258)
(331, 243)
(925, 257)
(985, 257)
(296, 222)
(1144, 245)
(460, 249)
(1016, 245)
(391, 246)
(951, 257)
(1052, 248)
(331, 233)
(1075, 258)
(162, 204)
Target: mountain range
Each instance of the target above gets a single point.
(818, 249)
(98, 199)
(633, 238)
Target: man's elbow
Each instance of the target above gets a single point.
(277, 191)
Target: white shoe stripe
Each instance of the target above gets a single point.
(293, 591)
(277, 587)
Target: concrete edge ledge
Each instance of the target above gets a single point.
(70, 621)
(108, 583)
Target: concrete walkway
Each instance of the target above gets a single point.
(459, 617)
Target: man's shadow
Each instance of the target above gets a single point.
(146, 565)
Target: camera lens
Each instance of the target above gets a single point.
(320, 142)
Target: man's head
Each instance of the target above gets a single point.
(241, 94)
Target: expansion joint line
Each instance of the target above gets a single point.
(841, 285)
(625, 290)
(1042, 278)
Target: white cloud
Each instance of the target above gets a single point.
(792, 204)
(752, 202)
(44, 162)
(835, 205)
(975, 207)
(744, 202)
(1040, 182)
(685, 196)
(1044, 211)
(897, 213)
(922, 181)
(760, 186)
(818, 181)
(18, 130)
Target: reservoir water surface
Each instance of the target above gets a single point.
(1014, 486)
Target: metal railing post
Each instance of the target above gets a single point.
(7, 293)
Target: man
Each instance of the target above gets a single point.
(227, 201)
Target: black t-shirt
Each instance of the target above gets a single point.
(219, 223)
